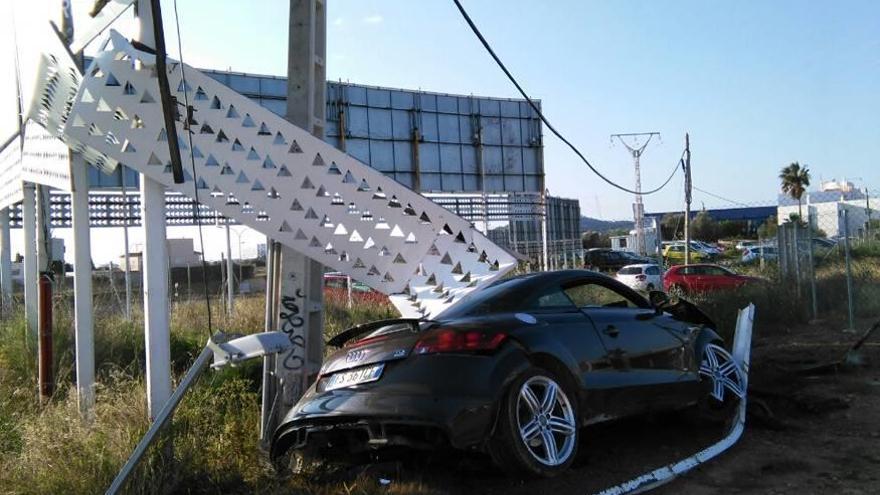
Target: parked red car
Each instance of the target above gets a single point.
(703, 278)
(336, 287)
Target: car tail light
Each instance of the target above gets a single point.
(641, 277)
(447, 340)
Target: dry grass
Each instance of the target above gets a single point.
(778, 304)
(211, 446)
(212, 443)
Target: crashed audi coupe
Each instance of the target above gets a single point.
(515, 370)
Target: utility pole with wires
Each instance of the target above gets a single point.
(687, 199)
(638, 208)
(296, 292)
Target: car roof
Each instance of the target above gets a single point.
(525, 285)
(639, 265)
(552, 277)
(713, 265)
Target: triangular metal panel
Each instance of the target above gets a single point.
(407, 237)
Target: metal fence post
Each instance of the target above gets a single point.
(797, 258)
(814, 300)
(781, 249)
(761, 252)
(849, 286)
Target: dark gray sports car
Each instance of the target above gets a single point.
(515, 370)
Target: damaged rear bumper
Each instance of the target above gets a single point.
(422, 402)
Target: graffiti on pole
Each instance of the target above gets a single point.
(291, 323)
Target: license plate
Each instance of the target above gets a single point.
(354, 377)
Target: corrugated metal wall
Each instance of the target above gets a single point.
(436, 142)
(430, 142)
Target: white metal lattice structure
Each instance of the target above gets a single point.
(10, 174)
(257, 168)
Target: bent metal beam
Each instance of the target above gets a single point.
(268, 174)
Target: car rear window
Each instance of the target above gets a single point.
(653, 270)
(630, 270)
(490, 299)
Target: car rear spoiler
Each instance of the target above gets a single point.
(340, 339)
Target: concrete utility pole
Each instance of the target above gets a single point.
(687, 200)
(155, 265)
(299, 295)
(638, 208)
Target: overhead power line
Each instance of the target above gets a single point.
(722, 198)
(195, 177)
(546, 122)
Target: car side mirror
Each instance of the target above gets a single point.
(658, 300)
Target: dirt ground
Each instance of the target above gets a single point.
(824, 435)
(808, 432)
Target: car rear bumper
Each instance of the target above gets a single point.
(419, 402)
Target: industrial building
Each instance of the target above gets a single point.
(825, 209)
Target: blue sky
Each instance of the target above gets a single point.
(757, 84)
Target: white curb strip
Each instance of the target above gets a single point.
(742, 342)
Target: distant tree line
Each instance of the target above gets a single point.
(703, 227)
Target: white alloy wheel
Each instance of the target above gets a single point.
(546, 421)
(723, 372)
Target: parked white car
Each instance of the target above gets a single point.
(641, 277)
(754, 253)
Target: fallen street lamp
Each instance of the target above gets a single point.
(225, 352)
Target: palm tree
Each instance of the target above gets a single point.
(795, 180)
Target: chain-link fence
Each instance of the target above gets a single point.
(829, 256)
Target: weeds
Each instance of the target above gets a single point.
(212, 444)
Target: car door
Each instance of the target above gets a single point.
(697, 280)
(716, 278)
(646, 351)
(573, 340)
(676, 252)
(612, 261)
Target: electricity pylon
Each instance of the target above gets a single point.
(638, 208)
